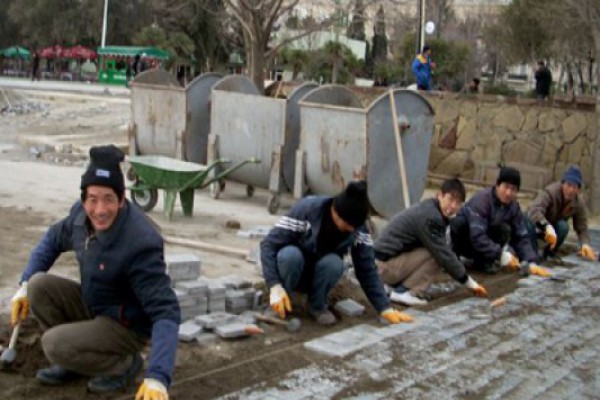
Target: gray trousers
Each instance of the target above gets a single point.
(73, 338)
(415, 270)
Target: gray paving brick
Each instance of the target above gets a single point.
(233, 330)
(183, 266)
(349, 307)
(213, 320)
(188, 331)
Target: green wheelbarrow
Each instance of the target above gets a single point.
(153, 172)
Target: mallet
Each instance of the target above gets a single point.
(293, 325)
(10, 353)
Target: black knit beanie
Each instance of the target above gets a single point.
(104, 169)
(352, 205)
(509, 175)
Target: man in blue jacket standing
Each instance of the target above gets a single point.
(305, 249)
(98, 326)
(422, 67)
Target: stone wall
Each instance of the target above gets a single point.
(474, 131)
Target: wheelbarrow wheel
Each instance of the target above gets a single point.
(273, 204)
(249, 190)
(145, 199)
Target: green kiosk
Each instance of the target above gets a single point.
(115, 61)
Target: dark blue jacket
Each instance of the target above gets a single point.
(301, 228)
(485, 209)
(123, 276)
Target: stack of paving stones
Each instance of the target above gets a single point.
(209, 307)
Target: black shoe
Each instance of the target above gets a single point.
(55, 375)
(103, 384)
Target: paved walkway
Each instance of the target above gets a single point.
(543, 344)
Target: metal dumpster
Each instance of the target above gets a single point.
(246, 124)
(341, 141)
(333, 141)
(169, 120)
(415, 119)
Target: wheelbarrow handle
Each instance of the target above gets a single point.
(231, 169)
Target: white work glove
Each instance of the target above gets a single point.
(507, 259)
(550, 236)
(152, 389)
(279, 301)
(19, 305)
(477, 289)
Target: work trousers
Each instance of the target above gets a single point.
(561, 228)
(316, 279)
(498, 233)
(74, 338)
(415, 270)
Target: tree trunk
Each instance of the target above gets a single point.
(595, 178)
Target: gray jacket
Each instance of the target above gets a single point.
(422, 225)
(550, 206)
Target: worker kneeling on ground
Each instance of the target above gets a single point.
(491, 225)
(551, 210)
(414, 248)
(98, 327)
(304, 252)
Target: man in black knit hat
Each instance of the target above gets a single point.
(97, 327)
(304, 252)
(491, 226)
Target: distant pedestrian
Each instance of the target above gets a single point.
(543, 81)
(473, 86)
(421, 67)
(35, 66)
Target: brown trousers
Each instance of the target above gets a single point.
(415, 270)
(73, 338)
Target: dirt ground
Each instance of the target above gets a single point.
(28, 204)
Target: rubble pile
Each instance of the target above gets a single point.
(13, 103)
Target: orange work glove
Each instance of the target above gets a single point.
(280, 301)
(587, 252)
(550, 236)
(507, 259)
(19, 305)
(539, 271)
(152, 389)
(395, 317)
(477, 289)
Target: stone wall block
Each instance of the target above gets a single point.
(510, 118)
(454, 163)
(469, 109)
(524, 152)
(467, 134)
(550, 152)
(575, 150)
(573, 127)
(586, 169)
(448, 111)
(436, 156)
(547, 122)
(531, 119)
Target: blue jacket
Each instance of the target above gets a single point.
(301, 228)
(485, 209)
(123, 276)
(421, 67)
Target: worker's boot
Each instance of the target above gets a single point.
(103, 384)
(55, 375)
(324, 317)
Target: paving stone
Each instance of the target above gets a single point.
(193, 287)
(188, 331)
(183, 266)
(349, 307)
(213, 320)
(233, 330)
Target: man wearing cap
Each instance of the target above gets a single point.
(549, 213)
(491, 223)
(98, 326)
(304, 252)
(414, 248)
